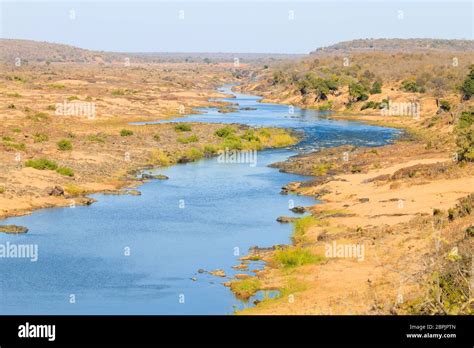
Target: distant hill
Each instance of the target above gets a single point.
(398, 45)
(36, 51)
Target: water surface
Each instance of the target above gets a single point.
(141, 254)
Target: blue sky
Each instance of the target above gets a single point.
(264, 26)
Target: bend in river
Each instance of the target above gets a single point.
(141, 254)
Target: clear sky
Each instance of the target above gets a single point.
(265, 26)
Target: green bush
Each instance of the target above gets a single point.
(357, 92)
(467, 87)
(225, 132)
(465, 136)
(2, 189)
(444, 105)
(182, 127)
(376, 88)
(65, 171)
(126, 133)
(232, 143)
(64, 145)
(412, 86)
(41, 164)
(156, 137)
(249, 135)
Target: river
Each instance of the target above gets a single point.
(141, 254)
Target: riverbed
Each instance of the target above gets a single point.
(141, 254)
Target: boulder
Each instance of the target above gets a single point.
(55, 191)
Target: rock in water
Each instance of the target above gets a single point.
(285, 219)
(13, 229)
(298, 210)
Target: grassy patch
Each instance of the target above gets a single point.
(300, 227)
(245, 288)
(2, 189)
(194, 154)
(74, 190)
(295, 256)
(64, 145)
(42, 164)
(187, 140)
(126, 133)
(39, 116)
(158, 156)
(321, 169)
(97, 138)
(182, 127)
(40, 138)
(66, 171)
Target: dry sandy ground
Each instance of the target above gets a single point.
(397, 244)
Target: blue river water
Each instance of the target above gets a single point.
(141, 254)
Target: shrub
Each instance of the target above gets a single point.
(467, 87)
(16, 130)
(190, 139)
(326, 106)
(182, 127)
(158, 156)
(370, 105)
(249, 135)
(64, 145)
(65, 171)
(194, 154)
(225, 132)
(412, 86)
(232, 143)
(126, 133)
(465, 136)
(444, 105)
(40, 138)
(41, 164)
(2, 189)
(376, 88)
(357, 92)
(209, 150)
(295, 256)
(156, 137)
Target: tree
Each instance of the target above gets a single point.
(467, 87)
(465, 136)
(376, 87)
(357, 92)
